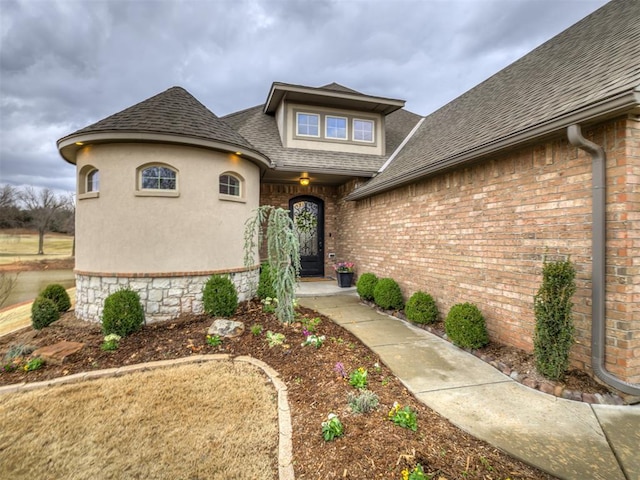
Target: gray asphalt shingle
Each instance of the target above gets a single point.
(592, 61)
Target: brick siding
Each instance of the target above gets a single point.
(479, 234)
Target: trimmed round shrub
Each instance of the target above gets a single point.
(123, 313)
(220, 297)
(387, 294)
(465, 326)
(421, 308)
(58, 295)
(365, 285)
(265, 284)
(43, 313)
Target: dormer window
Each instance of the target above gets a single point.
(362, 130)
(308, 124)
(336, 127)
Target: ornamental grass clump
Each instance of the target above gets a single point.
(123, 313)
(421, 308)
(465, 326)
(58, 295)
(554, 330)
(219, 297)
(366, 401)
(43, 313)
(365, 285)
(387, 294)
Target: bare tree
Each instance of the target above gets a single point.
(42, 206)
(7, 284)
(8, 208)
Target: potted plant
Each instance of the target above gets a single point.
(344, 272)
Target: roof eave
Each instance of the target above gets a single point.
(279, 90)
(68, 146)
(613, 106)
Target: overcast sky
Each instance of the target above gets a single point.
(66, 64)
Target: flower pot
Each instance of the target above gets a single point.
(344, 279)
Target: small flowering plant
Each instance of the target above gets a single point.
(404, 417)
(314, 340)
(269, 304)
(358, 378)
(344, 267)
(332, 428)
(111, 342)
(416, 474)
(340, 370)
(33, 364)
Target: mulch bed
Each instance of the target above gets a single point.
(372, 447)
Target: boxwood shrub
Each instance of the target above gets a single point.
(465, 326)
(123, 313)
(58, 295)
(365, 285)
(220, 297)
(43, 313)
(387, 294)
(421, 308)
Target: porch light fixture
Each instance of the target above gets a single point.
(79, 143)
(304, 181)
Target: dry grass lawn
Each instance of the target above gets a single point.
(22, 246)
(214, 420)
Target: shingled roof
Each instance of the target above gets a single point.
(261, 130)
(174, 112)
(589, 71)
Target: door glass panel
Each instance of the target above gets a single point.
(305, 220)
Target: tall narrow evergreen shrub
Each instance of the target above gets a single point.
(554, 329)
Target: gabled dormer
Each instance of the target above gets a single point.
(332, 118)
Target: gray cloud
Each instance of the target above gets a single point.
(66, 64)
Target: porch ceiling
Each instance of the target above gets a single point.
(316, 178)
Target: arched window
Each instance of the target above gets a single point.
(230, 185)
(93, 181)
(158, 177)
(88, 182)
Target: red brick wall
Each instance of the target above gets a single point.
(479, 234)
(279, 195)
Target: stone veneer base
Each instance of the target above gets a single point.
(164, 296)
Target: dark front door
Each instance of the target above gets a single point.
(308, 220)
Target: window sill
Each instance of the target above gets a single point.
(84, 196)
(157, 193)
(231, 198)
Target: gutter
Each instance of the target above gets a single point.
(598, 255)
(607, 108)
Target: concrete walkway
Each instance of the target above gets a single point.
(571, 440)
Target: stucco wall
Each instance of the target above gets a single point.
(121, 232)
(479, 234)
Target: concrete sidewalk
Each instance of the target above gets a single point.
(571, 440)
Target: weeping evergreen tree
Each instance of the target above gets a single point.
(283, 253)
(554, 329)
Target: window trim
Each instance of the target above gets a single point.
(83, 183)
(306, 135)
(373, 130)
(326, 127)
(241, 188)
(322, 136)
(156, 192)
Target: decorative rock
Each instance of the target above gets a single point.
(589, 398)
(571, 395)
(515, 375)
(530, 382)
(547, 388)
(226, 328)
(59, 352)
